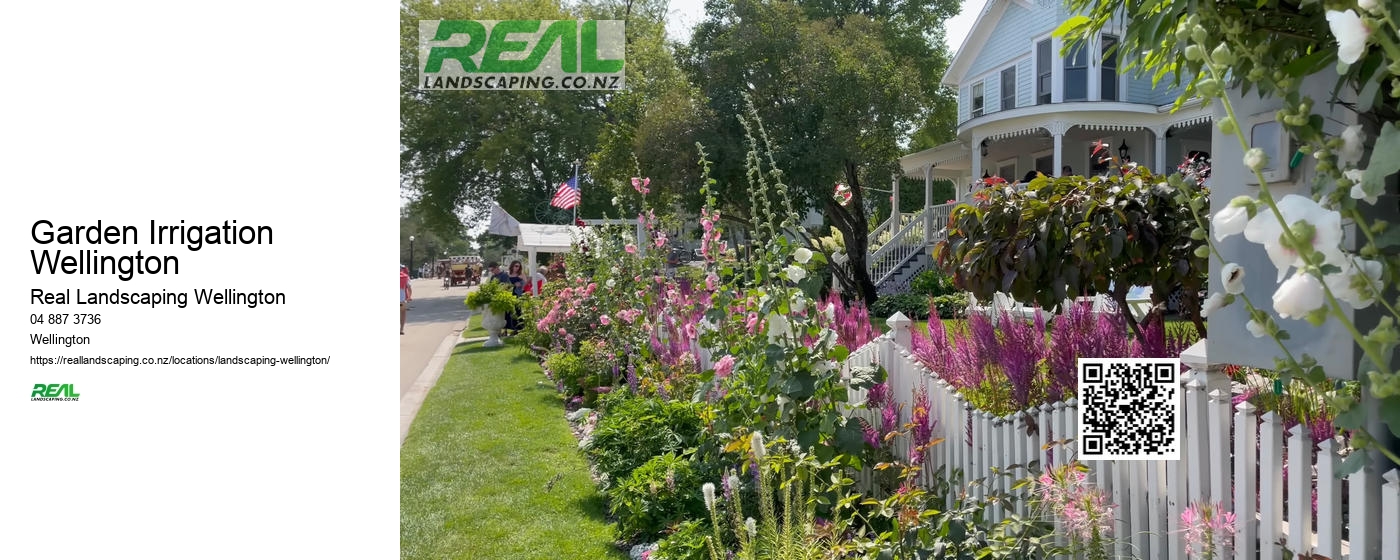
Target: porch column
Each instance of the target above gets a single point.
(928, 203)
(895, 225)
(976, 165)
(1057, 130)
(1159, 148)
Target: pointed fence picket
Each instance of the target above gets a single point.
(1230, 455)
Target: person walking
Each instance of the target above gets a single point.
(516, 278)
(405, 296)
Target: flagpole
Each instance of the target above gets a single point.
(580, 193)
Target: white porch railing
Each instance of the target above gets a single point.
(889, 249)
(1218, 464)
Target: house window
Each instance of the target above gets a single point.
(1008, 88)
(1108, 81)
(1042, 72)
(976, 100)
(1077, 74)
(1007, 170)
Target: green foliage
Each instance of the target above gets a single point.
(932, 283)
(694, 275)
(568, 370)
(951, 305)
(493, 295)
(686, 542)
(913, 306)
(663, 491)
(1068, 236)
(635, 430)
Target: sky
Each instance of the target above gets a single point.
(686, 13)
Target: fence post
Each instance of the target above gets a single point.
(1198, 437)
(900, 330)
(996, 461)
(1300, 488)
(1270, 486)
(1246, 528)
(1329, 501)
(1390, 513)
(1220, 456)
(1365, 511)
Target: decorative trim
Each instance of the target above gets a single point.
(1192, 121)
(1111, 127)
(1022, 132)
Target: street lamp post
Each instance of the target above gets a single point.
(410, 255)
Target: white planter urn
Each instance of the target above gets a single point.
(493, 323)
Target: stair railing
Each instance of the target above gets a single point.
(901, 246)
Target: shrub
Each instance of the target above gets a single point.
(687, 542)
(950, 306)
(493, 295)
(658, 494)
(932, 283)
(568, 371)
(635, 430)
(914, 306)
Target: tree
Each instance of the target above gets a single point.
(838, 86)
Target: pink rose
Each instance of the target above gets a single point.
(605, 320)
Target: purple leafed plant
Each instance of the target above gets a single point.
(876, 396)
(1069, 330)
(889, 417)
(922, 420)
(852, 323)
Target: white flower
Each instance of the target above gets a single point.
(756, 443)
(1229, 221)
(751, 526)
(1299, 295)
(708, 490)
(733, 483)
(1351, 34)
(1368, 5)
(830, 312)
(778, 327)
(1353, 145)
(1355, 176)
(802, 255)
(1255, 159)
(1354, 271)
(1255, 329)
(1031, 194)
(799, 304)
(615, 202)
(610, 283)
(1266, 230)
(1212, 303)
(1232, 276)
(795, 273)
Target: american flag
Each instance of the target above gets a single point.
(568, 195)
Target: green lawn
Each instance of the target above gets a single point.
(473, 328)
(476, 469)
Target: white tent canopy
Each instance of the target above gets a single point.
(547, 238)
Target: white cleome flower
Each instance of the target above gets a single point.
(1355, 176)
(1255, 159)
(1353, 145)
(802, 255)
(1229, 221)
(1255, 329)
(1355, 271)
(1266, 230)
(1299, 295)
(795, 273)
(1212, 303)
(1232, 276)
(1351, 34)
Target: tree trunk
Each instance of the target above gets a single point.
(851, 222)
(1120, 297)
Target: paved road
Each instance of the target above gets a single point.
(435, 313)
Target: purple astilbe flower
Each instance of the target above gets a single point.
(872, 437)
(876, 396)
(984, 336)
(1021, 352)
(889, 417)
(965, 366)
(1153, 343)
(921, 418)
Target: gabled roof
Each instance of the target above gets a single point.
(976, 39)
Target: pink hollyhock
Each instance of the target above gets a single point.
(751, 323)
(661, 240)
(631, 248)
(641, 185)
(605, 320)
(724, 367)
(711, 281)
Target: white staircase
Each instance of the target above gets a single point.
(900, 248)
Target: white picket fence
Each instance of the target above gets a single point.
(1150, 495)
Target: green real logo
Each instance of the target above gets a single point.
(528, 54)
(53, 392)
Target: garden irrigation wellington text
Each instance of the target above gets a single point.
(126, 267)
(526, 54)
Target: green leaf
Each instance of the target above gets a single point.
(838, 353)
(1385, 160)
(1390, 238)
(1352, 464)
(1070, 25)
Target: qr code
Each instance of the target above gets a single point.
(1129, 409)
